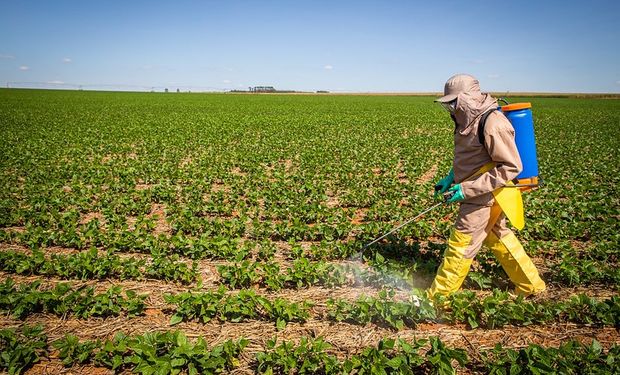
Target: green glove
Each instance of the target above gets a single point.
(443, 184)
(457, 194)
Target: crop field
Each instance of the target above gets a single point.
(220, 233)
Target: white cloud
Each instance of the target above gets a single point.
(24, 68)
(67, 60)
(7, 57)
(226, 81)
(493, 76)
(56, 82)
(328, 67)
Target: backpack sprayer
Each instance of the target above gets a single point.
(520, 116)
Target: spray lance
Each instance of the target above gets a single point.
(445, 199)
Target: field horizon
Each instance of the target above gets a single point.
(584, 95)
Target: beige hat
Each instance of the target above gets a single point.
(458, 84)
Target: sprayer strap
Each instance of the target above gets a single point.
(482, 124)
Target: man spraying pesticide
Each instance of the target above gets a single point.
(486, 161)
(487, 178)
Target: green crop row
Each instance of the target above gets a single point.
(382, 310)
(395, 259)
(302, 273)
(598, 263)
(390, 356)
(432, 356)
(237, 307)
(572, 271)
(172, 353)
(493, 311)
(151, 353)
(161, 353)
(202, 247)
(500, 309)
(25, 299)
(92, 264)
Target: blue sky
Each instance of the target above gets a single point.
(378, 46)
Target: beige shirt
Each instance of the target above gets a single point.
(469, 155)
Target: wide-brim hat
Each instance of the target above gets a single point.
(458, 84)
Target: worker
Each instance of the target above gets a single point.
(477, 170)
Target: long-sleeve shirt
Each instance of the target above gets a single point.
(470, 155)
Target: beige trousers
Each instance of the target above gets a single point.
(473, 220)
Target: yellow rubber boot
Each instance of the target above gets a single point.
(453, 268)
(517, 264)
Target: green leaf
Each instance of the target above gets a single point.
(176, 319)
(178, 362)
(280, 324)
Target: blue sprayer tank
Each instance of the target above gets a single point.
(520, 116)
